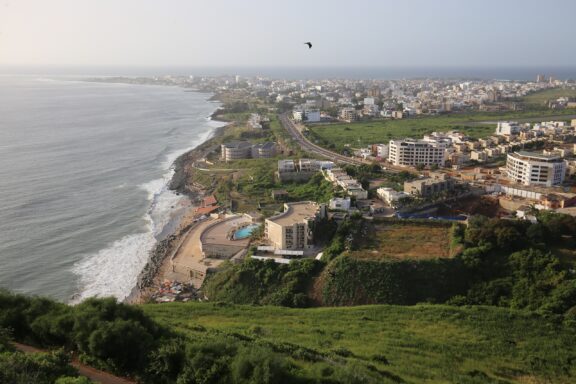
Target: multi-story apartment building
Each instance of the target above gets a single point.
(236, 150)
(264, 151)
(530, 168)
(348, 114)
(292, 229)
(411, 152)
(434, 184)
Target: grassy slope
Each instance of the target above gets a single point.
(423, 344)
(541, 98)
(406, 242)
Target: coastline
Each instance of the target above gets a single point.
(150, 278)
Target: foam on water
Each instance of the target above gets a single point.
(114, 270)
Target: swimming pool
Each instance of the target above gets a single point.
(245, 232)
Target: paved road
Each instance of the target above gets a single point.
(308, 146)
(92, 373)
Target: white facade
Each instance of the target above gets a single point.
(382, 151)
(410, 152)
(507, 128)
(535, 169)
(340, 203)
(389, 195)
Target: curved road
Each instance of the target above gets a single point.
(306, 145)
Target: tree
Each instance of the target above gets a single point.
(536, 274)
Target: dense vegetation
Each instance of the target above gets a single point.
(493, 262)
(267, 283)
(224, 343)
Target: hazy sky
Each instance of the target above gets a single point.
(271, 33)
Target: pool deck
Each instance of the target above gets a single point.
(188, 264)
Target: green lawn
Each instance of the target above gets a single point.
(381, 131)
(541, 98)
(417, 344)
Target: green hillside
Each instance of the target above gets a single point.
(417, 344)
(186, 343)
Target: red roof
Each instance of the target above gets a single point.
(210, 200)
(206, 210)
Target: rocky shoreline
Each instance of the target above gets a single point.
(181, 182)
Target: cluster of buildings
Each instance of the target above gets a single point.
(454, 149)
(302, 169)
(350, 185)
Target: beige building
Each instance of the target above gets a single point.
(292, 229)
(417, 152)
(436, 183)
(236, 150)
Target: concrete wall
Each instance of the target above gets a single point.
(220, 251)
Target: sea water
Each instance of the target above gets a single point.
(84, 169)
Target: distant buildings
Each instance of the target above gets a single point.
(306, 114)
(410, 152)
(300, 170)
(292, 229)
(530, 168)
(348, 114)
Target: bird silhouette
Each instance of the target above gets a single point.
(309, 44)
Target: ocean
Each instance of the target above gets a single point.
(84, 169)
(519, 73)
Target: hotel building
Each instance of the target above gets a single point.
(530, 168)
(292, 229)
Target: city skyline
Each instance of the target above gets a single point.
(448, 33)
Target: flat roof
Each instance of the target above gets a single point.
(539, 156)
(296, 213)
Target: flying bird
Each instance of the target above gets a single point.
(309, 44)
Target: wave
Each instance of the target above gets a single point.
(113, 271)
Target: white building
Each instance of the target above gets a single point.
(342, 203)
(507, 128)
(535, 169)
(411, 152)
(380, 150)
(389, 195)
(306, 114)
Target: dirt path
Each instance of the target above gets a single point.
(93, 374)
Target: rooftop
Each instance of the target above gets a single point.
(237, 144)
(295, 213)
(538, 156)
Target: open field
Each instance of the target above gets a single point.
(417, 344)
(541, 98)
(359, 134)
(399, 241)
